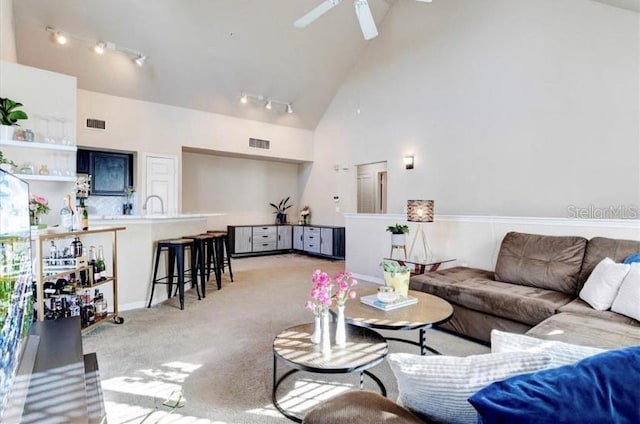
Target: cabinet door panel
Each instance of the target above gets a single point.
(242, 239)
(110, 173)
(326, 241)
(284, 237)
(298, 241)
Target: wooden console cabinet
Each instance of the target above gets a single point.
(318, 240)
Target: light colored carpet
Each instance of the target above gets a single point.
(218, 351)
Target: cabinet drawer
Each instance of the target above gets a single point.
(264, 238)
(311, 238)
(265, 231)
(263, 246)
(311, 230)
(312, 245)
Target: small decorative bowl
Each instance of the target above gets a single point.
(387, 294)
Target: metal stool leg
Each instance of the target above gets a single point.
(171, 267)
(180, 259)
(226, 245)
(155, 274)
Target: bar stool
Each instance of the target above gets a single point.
(223, 251)
(175, 249)
(203, 246)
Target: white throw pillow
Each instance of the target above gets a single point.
(561, 353)
(627, 302)
(603, 284)
(437, 387)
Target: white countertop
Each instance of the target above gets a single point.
(134, 219)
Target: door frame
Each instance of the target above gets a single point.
(142, 158)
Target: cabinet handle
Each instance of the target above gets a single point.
(265, 236)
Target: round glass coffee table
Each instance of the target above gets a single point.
(427, 313)
(365, 348)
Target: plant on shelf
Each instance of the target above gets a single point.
(281, 210)
(6, 164)
(8, 113)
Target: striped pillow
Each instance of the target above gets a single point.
(561, 353)
(437, 387)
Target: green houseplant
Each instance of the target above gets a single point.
(281, 210)
(398, 234)
(396, 276)
(6, 164)
(9, 117)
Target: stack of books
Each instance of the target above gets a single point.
(402, 301)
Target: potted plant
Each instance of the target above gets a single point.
(9, 117)
(6, 164)
(398, 234)
(396, 276)
(281, 210)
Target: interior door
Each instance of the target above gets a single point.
(161, 181)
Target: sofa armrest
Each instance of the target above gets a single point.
(360, 407)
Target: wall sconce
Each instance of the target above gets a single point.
(408, 162)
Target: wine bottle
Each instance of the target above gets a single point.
(101, 268)
(93, 262)
(85, 219)
(66, 215)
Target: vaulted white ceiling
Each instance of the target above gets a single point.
(203, 53)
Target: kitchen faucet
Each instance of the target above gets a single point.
(146, 201)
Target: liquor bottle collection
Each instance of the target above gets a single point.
(72, 293)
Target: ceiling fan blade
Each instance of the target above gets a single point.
(367, 24)
(316, 12)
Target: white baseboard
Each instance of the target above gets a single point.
(133, 305)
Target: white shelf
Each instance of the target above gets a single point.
(37, 177)
(44, 146)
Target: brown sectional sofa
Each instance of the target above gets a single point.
(534, 290)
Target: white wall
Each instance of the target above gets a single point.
(518, 108)
(7, 32)
(241, 188)
(139, 126)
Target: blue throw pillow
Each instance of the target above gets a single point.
(604, 388)
(634, 257)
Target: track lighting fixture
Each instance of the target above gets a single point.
(99, 47)
(269, 104)
(60, 38)
(140, 60)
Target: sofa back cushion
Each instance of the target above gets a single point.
(548, 262)
(599, 248)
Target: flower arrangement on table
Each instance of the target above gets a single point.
(324, 291)
(38, 205)
(305, 215)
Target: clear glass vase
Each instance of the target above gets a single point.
(341, 328)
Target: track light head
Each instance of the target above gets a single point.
(140, 60)
(60, 38)
(99, 47)
(268, 105)
(289, 109)
(243, 98)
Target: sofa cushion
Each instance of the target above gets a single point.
(547, 262)
(580, 307)
(599, 389)
(586, 330)
(599, 248)
(450, 275)
(525, 304)
(437, 387)
(627, 301)
(561, 353)
(603, 284)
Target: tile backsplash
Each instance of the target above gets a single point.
(109, 205)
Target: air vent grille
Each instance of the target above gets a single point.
(259, 144)
(96, 124)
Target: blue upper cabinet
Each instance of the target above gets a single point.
(111, 173)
